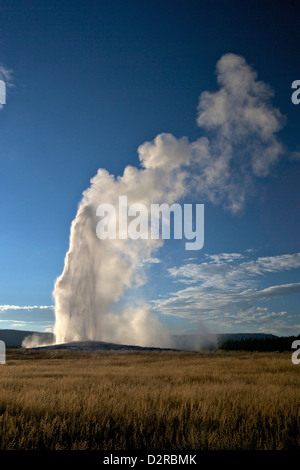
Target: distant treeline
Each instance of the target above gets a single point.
(283, 343)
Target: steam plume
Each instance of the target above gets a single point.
(242, 146)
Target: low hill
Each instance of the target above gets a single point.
(14, 338)
(276, 343)
(98, 346)
(195, 342)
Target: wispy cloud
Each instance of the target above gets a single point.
(147, 261)
(224, 291)
(5, 308)
(225, 271)
(27, 317)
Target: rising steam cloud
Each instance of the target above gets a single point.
(241, 145)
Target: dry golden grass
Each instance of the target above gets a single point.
(157, 401)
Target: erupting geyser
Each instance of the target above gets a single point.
(221, 170)
(97, 272)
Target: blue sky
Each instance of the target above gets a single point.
(92, 81)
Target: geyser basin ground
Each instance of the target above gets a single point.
(98, 346)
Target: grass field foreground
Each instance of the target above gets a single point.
(158, 401)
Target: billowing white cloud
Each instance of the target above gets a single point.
(241, 107)
(243, 126)
(240, 145)
(165, 152)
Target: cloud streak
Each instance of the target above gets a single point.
(5, 308)
(224, 291)
(226, 271)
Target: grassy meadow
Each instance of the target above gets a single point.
(150, 401)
